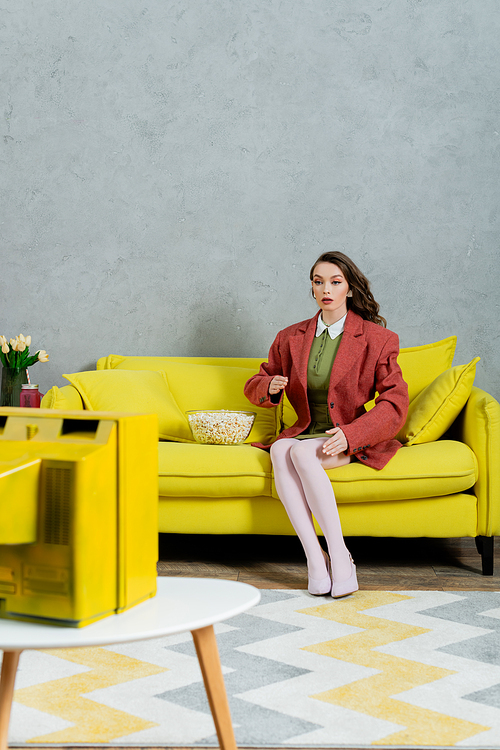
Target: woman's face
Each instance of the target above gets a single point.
(330, 290)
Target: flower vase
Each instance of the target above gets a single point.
(12, 380)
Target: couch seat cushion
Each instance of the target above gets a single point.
(193, 470)
(445, 467)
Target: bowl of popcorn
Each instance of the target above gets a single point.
(221, 426)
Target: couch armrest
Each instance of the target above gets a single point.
(67, 398)
(479, 427)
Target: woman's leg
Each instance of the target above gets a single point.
(310, 464)
(291, 494)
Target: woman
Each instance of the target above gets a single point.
(329, 367)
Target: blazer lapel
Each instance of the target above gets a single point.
(300, 346)
(351, 348)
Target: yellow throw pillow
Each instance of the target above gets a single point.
(435, 409)
(143, 391)
(219, 387)
(420, 365)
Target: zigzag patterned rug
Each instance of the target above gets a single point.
(399, 669)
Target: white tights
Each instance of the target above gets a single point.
(305, 489)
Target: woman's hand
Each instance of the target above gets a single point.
(277, 384)
(336, 444)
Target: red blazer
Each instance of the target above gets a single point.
(365, 363)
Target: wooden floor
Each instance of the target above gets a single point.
(278, 562)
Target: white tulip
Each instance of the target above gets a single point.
(43, 356)
(5, 348)
(28, 340)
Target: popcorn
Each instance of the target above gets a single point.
(220, 427)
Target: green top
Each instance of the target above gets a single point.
(319, 367)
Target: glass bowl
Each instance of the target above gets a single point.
(221, 426)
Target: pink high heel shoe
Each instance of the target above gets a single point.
(344, 588)
(324, 585)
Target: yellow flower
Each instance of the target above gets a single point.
(28, 340)
(43, 356)
(3, 340)
(5, 347)
(13, 343)
(21, 338)
(21, 346)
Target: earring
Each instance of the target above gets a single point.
(349, 293)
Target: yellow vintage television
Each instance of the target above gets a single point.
(78, 514)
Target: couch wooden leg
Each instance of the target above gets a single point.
(484, 546)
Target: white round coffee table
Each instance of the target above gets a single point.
(180, 604)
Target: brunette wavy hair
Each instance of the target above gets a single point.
(362, 301)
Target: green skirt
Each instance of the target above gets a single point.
(320, 422)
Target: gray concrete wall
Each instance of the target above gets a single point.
(170, 171)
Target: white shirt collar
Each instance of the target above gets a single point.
(334, 330)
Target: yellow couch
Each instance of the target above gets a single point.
(442, 483)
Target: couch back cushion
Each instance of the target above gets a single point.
(199, 386)
(420, 365)
(206, 383)
(120, 362)
(435, 408)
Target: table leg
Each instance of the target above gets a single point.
(7, 680)
(208, 656)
